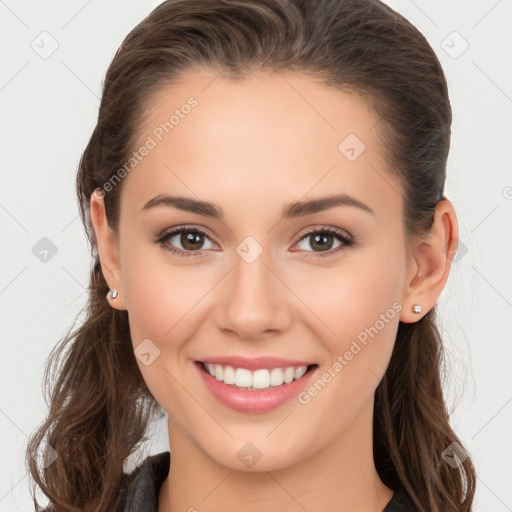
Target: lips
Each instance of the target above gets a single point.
(250, 400)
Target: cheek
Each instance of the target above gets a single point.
(364, 315)
(357, 296)
(359, 307)
(160, 302)
(166, 305)
(163, 306)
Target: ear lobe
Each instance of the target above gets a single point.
(432, 255)
(108, 250)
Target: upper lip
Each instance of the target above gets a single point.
(255, 363)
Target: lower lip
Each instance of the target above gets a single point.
(258, 401)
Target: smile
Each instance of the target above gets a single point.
(257, 379)
(256, 391)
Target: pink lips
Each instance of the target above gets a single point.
(258, 401)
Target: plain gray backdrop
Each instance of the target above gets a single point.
(53, 59)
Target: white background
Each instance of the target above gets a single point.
(49, 107)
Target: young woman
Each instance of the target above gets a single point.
(263, 196)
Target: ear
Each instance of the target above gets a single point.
(108, 250)
(429, 262)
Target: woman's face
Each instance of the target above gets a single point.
(258, 282)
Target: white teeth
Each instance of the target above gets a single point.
(258, 379)
(289, 375)
(276, 377)
(218, 372)
(243, 378)
(229, 375)
(300, 371)
(261, 379)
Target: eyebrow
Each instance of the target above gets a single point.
(293, 210)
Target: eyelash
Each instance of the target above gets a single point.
(345, 241)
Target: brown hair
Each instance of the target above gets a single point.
(99, 405)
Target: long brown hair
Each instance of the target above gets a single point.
(99, 405)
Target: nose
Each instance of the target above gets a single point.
(254, 300)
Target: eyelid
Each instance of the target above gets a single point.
(189, 227)
(323, 228)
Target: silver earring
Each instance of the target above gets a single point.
(417, 309)
(113, 294)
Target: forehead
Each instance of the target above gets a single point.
(271, 137)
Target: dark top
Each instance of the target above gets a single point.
(145, 482)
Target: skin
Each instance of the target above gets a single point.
(252, 147)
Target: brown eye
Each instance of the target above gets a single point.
(321, 240)
(191, 240)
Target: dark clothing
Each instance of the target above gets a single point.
(145, 482)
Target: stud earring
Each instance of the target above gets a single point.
(417, 309)
(112, 293)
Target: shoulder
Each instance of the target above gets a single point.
(400, 502)
(143, 484)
